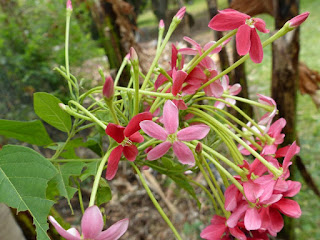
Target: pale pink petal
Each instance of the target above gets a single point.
(231, 197)
(216, 89)
(74, 232)
(237, 214)
(256, 51)
(181, 105)
(115, 231)
(209, 44)
(288, 207)
(91, 222)
(113, 162)
(293, 188)
(260, 25)
(158, 151)
(188, 51)
(195, 132)
(294, 149)
(130, 152)
(170, 117)
(228, 19)
(243, 39)
(183, 153)
(193, 43)
(153, 130)
(235, 89)
(252, 219)
(252, 190)
(63, 232)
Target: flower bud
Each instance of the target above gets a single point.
(69, 5)
(108, 88)
(298, 20)
(161, 24)
(198, 148)
(180, 13)
(133, 55)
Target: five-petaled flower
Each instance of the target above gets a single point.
(125, 136)
(247, 38)
(171, 136)
(91, 226)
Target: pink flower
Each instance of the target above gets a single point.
(247, 38)
(170, 136)
(197, 48)
(108, 88)
(125, 136)
(161, 24)
(298, 20)
(226, 88)
(91, 226)
(267, 118)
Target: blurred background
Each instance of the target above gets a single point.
(101, 33)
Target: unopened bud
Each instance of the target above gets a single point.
(133, 55)
(198, 148)
(161, 24)
(181, 13)
(298, 20)
(108, 88)
(62, 106)
(69, 5)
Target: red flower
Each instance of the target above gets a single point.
(125, 136)
(247, 38)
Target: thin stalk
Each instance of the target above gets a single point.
(154, 201)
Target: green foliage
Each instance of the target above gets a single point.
(32, 132)
(24, 175)
(104, 194)
(62, 180)
(46, 106)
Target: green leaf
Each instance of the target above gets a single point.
(91, 170)
(24, 175)
(46, 106)
(104, 194)
(61, 180)
(32, 132)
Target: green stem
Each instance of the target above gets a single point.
(97, 178)
(144, 92)
(93, 118)
(154, 201)
(112, 111)
(123, 64)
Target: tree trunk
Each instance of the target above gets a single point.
(285, 57)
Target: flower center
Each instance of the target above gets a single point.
(172, 138)
(126, 142)
(250, 22)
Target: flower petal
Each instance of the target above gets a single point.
(288, 207)
(256, 51)
(183, 153)
(178, 78)
(115, 231)
(113, 162)
(133, 125)
(91, 222)
(227, 19)
(61, 231)
(195, 132)
(158, 151)
(260, 25)
(153, 130)
(170, 117)
(243, 40)
(252, 219)
(130, 152)
(115, 131)
(137, 137)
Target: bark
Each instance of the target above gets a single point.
(285, 57)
